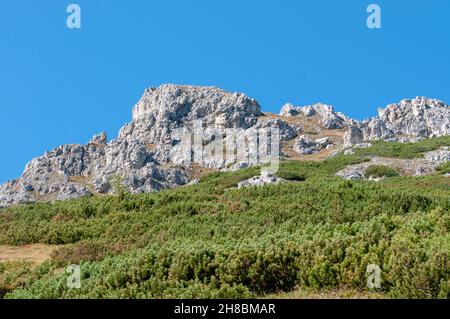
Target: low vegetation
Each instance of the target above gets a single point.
(378, 171)
(316, 232)
(444, 168)
(14, 274)
(404, 150)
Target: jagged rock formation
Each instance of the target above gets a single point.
(147, 155)
(264, 179)
(327, 116)
(409, 120)
(169, 107)
(305, 146)
(139, 157)
(71, 171)
(287, 131)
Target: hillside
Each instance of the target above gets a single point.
(313, 234)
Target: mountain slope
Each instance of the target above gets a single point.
(313, 231)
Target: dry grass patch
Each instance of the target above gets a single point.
(36, 253)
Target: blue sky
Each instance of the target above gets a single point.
(61, 86)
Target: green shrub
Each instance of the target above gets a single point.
(211, 240)
(291, 176)
(444, 168)
(80, 252)
(380, 171)
(404, 150)
(13, 275)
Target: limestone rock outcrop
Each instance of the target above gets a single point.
(287, 131)
(140, 156)
(264, 179)
(306, 146)
(148, 155)
(407, 121)
(326, 114)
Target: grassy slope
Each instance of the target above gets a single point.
(315, 233)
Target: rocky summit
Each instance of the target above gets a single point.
(142, 159)
(409, 120)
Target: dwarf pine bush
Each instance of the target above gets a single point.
(212, 240)
(380, 171)
(444, 168)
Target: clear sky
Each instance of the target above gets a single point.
(61, 86)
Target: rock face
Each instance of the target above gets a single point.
(137, 157)
(407, 121)
(287, 131)
(419, 118)
(326, 114)
(72, 171)
(148, 154)
(354, 135)
(264, 179)
(305, 146)
(169, 107)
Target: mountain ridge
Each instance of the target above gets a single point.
(142, 154)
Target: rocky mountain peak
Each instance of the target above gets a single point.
(162, 110)
(408, 120)
(416, 107)
(181, 103)
(142, 158)
(138, 154)
(100, 139)
(326, 114)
